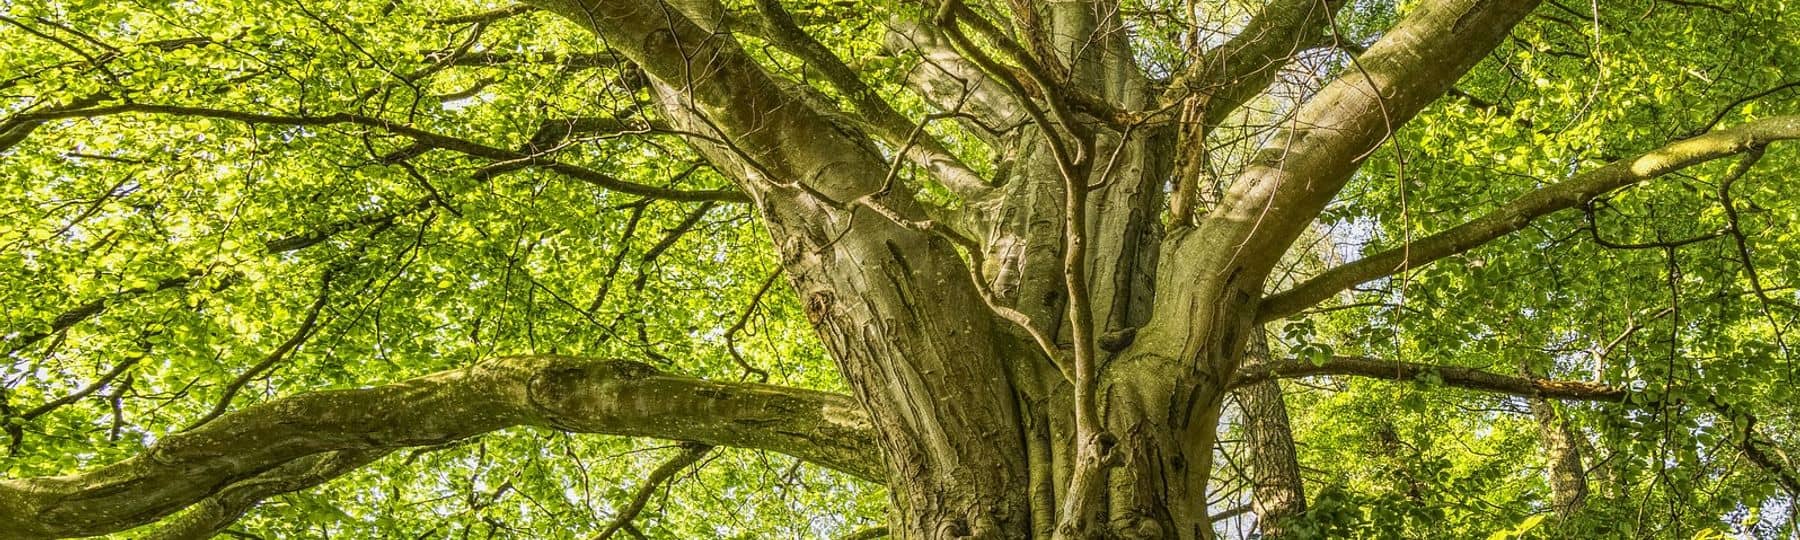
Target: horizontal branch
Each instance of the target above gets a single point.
(1758, 448)
(1520, 212)
(570, 394)
(488, 16)
(420, 136)
(566, 60)
(1459, 377)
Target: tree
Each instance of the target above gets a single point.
(259, 248)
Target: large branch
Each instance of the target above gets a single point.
(948, 80)
(1520, 212)
(570, 394)
(1241, 68)
(214, 514)
(1290, 181)
(777, 26)
(1459, 377)
(773, 134)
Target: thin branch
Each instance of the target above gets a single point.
(1521, 211)
(668, 241)
(307, 326)
(87, 310)
(90, 388)
(420, 136)
(488, 16)
(870, 533)
(572, 61)
(743, 320)
(73, 316)
(690, 454)
(1459, 377)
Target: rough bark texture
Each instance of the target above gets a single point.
(1277, 492)
(893, 303)
(1568, 475)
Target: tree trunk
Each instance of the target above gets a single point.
(1277, 493)
(1568, 474)
(966, 369)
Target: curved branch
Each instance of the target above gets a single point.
(1459, 377)
(308, 325)
(663, 474)
(212, 515)
(1293, 177)
(1520, 212)
(571, 394)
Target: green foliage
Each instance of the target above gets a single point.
(175, 225)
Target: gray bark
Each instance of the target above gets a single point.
(1568, 473)
(1277, 491)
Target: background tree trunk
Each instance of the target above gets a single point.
(1277, 493)
(1568, 473)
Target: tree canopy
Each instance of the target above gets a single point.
(813, 268)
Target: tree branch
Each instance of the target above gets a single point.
(778, 26)
(1758, 448)
(571, 394)
(212, 515)
(1232, 73)
(663, 474)
(420, 136)
(1521, 211)
(571, 61)
(69, 318)
(947, 79)
(1215, 85)
(1459, 377)
(486, 16)
(307, 326)
(1290, 181)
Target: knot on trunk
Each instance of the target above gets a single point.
(818, 304)
(1117, 340)
(1136, 527)
(1105, 444)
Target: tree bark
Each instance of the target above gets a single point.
(279, 441)
(1277, 492)
(1568, 474)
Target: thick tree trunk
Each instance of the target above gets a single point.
(973, 396)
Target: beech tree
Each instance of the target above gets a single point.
(930, 269)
